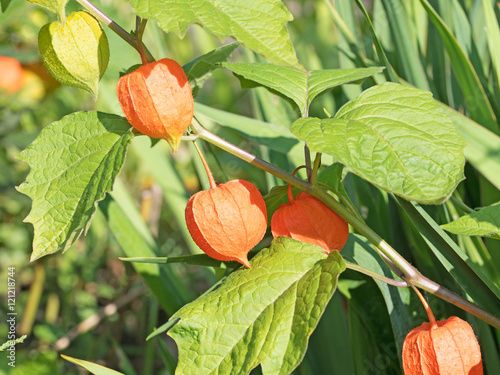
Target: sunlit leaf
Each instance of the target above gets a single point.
(484, 222)
(299, 86)
(397, 138)
(259, 25)
(73, 163)
(275, 305)
(200, 69)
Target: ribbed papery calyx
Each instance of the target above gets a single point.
(227, 221)
(157, 100)
(308, 219)
(450, 348)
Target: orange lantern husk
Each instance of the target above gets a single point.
(11, 74)
(157, 100)
(307, 219)
(448, 347)
(227, 221)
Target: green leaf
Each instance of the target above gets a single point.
(485, 223)
(275, 305)
(92, 367)
(73, 163)
(332, 176)
(477, 100)
(200, 69)
(299, 86)
(56, 6)
(471, 277)
(5, 4)
(259, 25)
(76, 53)
(395, 137)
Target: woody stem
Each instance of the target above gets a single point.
(101, 16)
(211, 179)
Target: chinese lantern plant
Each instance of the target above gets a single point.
(307, 219)
(228, 220)
(157, 100)
(287, 282)
(446, 347)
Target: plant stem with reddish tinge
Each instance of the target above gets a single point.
(210, 176)
(408, 272)
(427, 308)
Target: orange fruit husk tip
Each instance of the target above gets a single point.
(157, 100)
(226, 222)
(448, 348)
(307, 219)
(11, 75)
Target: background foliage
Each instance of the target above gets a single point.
(445, 51)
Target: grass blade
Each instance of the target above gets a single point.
(406, 54)
(123, 219)
(471, 278)
(477, 100)
(483, 151)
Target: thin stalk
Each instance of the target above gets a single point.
(387, 280)
(210, 176)
(427, 308)
(190, 137)
(290, 193)
(122, 33)
(316, 165)
(409, 272)
(307, 158)
(140, 25)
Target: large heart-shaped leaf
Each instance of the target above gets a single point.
(259, 25)
(397, 138)
(295, 84)
(73, 163)
(275, 305)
